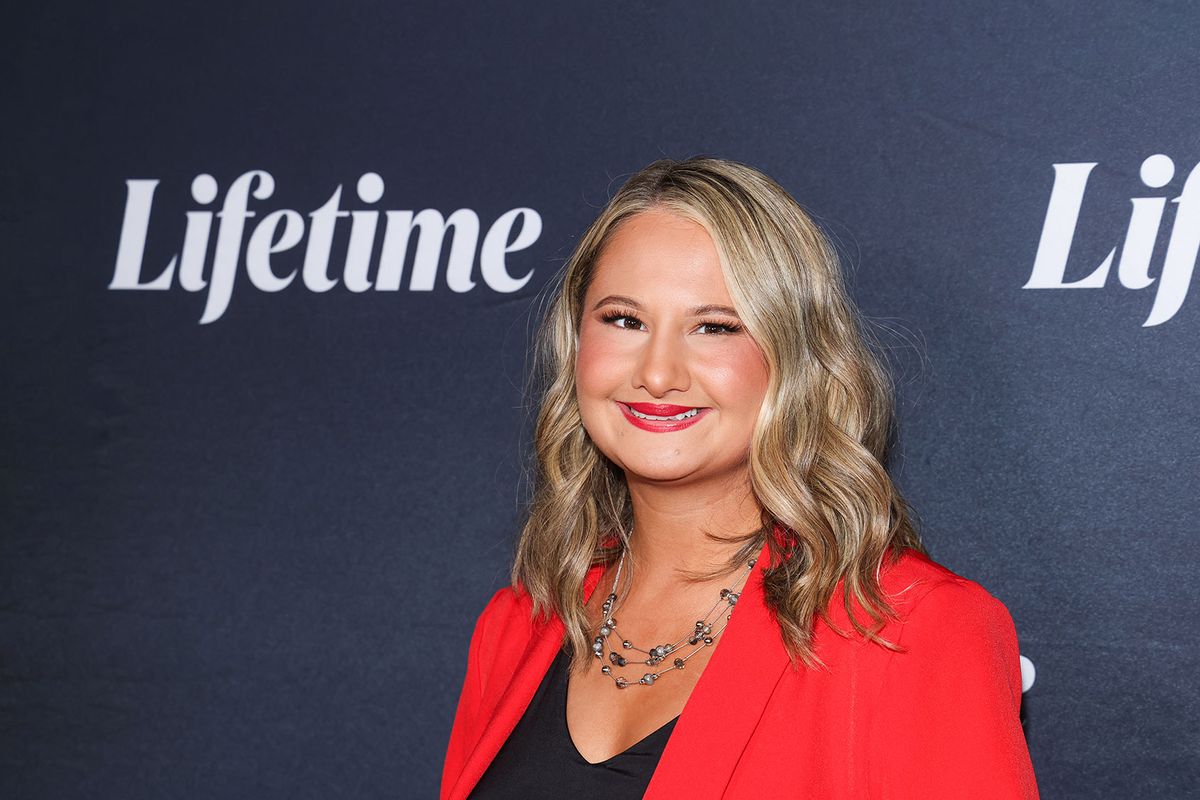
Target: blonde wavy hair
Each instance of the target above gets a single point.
(817, 450)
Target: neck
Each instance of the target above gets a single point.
(669, 525)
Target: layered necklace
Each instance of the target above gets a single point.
(700, 636)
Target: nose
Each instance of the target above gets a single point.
(662, 365)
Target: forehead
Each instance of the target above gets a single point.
(658, 255)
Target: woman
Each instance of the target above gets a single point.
(719, 591)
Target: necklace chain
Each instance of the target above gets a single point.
(702, 635)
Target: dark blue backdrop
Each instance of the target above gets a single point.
(243, 558)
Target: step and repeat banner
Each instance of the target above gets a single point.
(270, 275)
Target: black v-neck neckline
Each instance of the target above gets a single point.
(561, 669)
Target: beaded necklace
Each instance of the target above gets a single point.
(701, 636)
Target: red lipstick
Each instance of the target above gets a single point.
(661, 410)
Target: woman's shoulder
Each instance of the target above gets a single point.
(932, 600)
(507, 620)
(507, 605)
(946, 714)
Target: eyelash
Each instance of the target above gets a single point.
(729, 327)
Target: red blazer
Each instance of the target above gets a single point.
(939, 720)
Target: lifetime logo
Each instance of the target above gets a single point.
(284, 229)
(1133, 271)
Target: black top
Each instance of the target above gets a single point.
(539, 760)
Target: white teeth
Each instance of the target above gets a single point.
(690, 413)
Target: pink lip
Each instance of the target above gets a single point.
(661, 410)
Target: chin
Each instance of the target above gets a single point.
(662, 472)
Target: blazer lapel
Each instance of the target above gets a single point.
(545, 640)
(727, 702)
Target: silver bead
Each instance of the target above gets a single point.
(648, 678)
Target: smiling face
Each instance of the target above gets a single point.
(669, 383)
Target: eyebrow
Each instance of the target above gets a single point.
(697, 311)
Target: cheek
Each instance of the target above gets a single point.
(594, 366)
(743, 374)
(758, 374)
